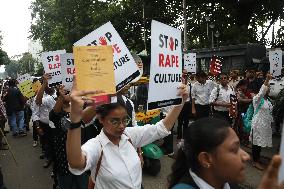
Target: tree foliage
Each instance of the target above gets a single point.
(4, 58)
(26, 64)
(60, 23)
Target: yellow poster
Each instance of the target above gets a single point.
(94, 68)
(27, 89)
(36, 86)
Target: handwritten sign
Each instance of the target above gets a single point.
(275, 59)
(67, 70)
(52, 65)
(24, 77)
(124, 65)
(190, 62)
(25, 85)
(166, 66)
(94, 68)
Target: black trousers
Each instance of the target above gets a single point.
(183, 120)
(168, 145)
(47, 140)
(222, 115)
(35, 134)
(202, 111)
(256, 152)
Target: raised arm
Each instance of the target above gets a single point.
(40, 92)
(263, 90)
(172, 116)
(76, 158)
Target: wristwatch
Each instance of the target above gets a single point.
(74, 125)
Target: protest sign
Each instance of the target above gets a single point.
(67, 70)
(166, 66)
(275, 59)
(52, 65)
(25, 85)
(124, 66)
(190, 62)
(24, 77)
(94, 68)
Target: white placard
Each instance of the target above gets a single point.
(52, 65)
(67, 70)
(23, 78)
(166, 66)
(275, 59)
(190, 62)
(125, 68)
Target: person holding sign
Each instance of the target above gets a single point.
(112, 156)
(261, 131)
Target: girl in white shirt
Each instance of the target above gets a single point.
(211, 157)
(114, 149)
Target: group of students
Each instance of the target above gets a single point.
(98, 146)
(214, 99)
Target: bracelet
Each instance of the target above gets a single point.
(75, 125)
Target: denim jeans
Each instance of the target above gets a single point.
(17, 117)
(73, 181)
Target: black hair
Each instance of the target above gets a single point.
(105, 109)
(203, 135)
(242, 83)
(12, 82)
(220, 74)
(201, 74)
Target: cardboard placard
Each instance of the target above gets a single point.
(190, 62)
(52, 65)
(94, 68)
(67, 70)
(24, 77)
(275, 59)
(25, 85)
(125, 67)
(166, 66)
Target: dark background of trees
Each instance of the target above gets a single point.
(60, 23)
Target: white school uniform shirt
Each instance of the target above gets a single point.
(224, 96)
(202, 184)
(201, 92)
(48, 102)
(120, 165)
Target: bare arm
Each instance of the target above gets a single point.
(88, 114)
(172, 116)
(40, 92)
(75, 157)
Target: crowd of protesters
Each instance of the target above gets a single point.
(88, 145)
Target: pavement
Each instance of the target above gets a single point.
(29, 173)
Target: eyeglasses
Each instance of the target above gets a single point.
(117, 121)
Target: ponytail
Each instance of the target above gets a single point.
(179, 169)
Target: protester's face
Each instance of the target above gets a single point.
(251, 75)
(116, 121)
(234, 75)
(229, 160)
(201, 80)
(224, 80)
(260, 76)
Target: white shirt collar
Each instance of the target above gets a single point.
(202, 184)
(105, 140)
